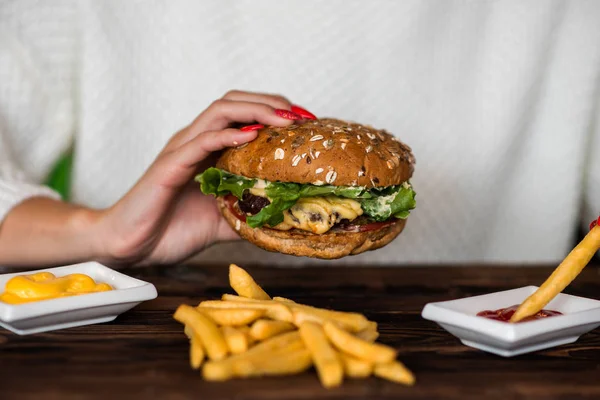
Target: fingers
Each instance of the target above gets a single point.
(174, 168)
(237, 107)
(223, 112)
(206, 143)
(274, 100)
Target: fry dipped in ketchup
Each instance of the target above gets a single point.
(563, 275)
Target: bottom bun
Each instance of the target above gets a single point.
(329, 245)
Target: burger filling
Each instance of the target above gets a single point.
(319, 214)
(312, 208)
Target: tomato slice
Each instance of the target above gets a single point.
(231, 201)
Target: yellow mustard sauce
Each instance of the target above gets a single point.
(45, 286)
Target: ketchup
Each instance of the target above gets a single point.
(504, 314)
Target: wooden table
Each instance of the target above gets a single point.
(143, 354)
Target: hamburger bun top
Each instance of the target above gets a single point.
(323, 152)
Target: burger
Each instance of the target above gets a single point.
(325, 188)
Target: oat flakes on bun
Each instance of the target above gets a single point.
(325, 188)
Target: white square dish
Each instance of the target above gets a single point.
(85, 309)
(458, 317)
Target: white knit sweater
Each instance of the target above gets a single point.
(499, 100)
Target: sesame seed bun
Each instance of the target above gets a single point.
(330, 245)
(324, 151)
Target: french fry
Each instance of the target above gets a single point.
(196, 352)
(348, 343)
(246, 331)
(218, 371)
(196, 349)
(233, 297)
(236, 340)
(367, 335)
(288, 340)
(372, 326)
(233, 317)
(562, 276)
(264, 328)
(244, 284)
(205, 329)
(272, 309)
(302, 316)
(350, 321)
(188, 332)
(395, 371)
(325, 358)
(350, 317)
(265, 359)
(243, 364)
(281, 363)
(355, 368)
(283, 300)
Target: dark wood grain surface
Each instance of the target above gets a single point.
(144, 353)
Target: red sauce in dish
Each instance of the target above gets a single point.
(504, 314)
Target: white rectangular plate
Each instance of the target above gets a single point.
(458, 317)
(85, 309)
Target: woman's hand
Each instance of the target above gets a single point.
(164, 218)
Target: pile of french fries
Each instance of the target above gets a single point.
(251, 335)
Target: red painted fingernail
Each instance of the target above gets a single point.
(249, 128)
(287, 114)
(303, 113)
(594, 223)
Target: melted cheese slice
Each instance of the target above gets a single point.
(319, 214)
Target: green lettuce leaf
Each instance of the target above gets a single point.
(379, 204)
(272, 214)
(295, 190)
(219, 183)
(396, 204)
(350, 192)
